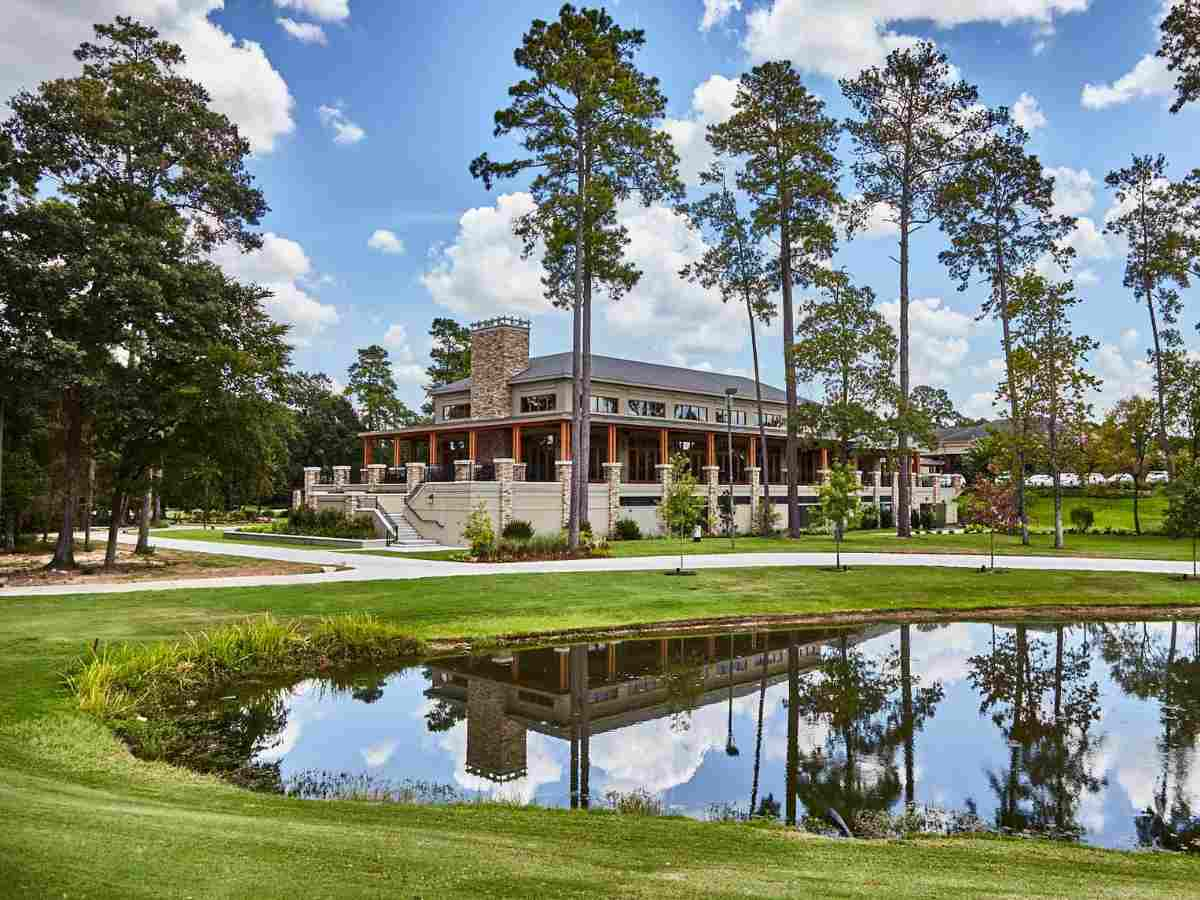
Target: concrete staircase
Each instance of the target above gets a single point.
(405, 534)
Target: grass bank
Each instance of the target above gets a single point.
(82, 816)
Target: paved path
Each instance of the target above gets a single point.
(398, 566)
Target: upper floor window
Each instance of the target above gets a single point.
(604, 404)
(654, 409)
(739, 416)
(456, 411)
(539, 403)
(691, 413)
(772, 420)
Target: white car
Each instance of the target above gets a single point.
(1039, 481)
(1158, 477)
(1097, 478)
(1068, 479)
(1121, 478)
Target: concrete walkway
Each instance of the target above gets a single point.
(397, 566)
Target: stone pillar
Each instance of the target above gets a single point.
(504, 477)
(341, 476)
(351, 505)
(665, 478)
(563, 469)
(712, 483)
(375, 473)
(612, 477)
(519, 471)
(464, 470)
(312, 474)
(297, 498)
(415, 475)
(754, 473)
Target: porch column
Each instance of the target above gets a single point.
(612, 476)
(368, 447)
(712, 449)
(712, 475)
(755, 473)
(471, 444)
(375, 474)
(464, 470)
(433, 448)
(563, 671)
(395, 452)
(564, 440)
(753, 459)
(563, 470)
(341, 476)
(312, 475)
(612, 444)
(516, 443)
(823, 475)
(612, 661)
(504, 477)
(664, 478)
(664, 446)
(414, 475)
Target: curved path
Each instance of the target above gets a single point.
(399, 566)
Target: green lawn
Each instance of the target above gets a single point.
(1111, 512)
(82, 817)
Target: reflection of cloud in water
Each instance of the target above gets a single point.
(377, 755)
(942, 656)
(285, 741)
(540, 764)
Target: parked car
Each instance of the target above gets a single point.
(1039, 481)
(1068, 479)
(1096, 478)
(1121, 478)
(1158, 477)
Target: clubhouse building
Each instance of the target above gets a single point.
(502, 437)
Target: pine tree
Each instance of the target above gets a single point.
(449, 358)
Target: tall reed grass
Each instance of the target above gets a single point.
(114, 681)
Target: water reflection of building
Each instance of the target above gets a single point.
(571, 693)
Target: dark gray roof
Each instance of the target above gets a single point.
(632, 372)
(971, 432)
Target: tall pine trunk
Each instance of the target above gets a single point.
(64, 549)
(789, 329)
(762, 424)
(906, 710)
(89, 499)
(119, 501)
(793, 729)
(1017, 424)
(1164, 444)
(904, 494)
(143, 541)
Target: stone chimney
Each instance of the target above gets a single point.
(499, 350)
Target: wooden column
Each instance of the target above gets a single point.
(664, 446)
(662, 654)
(471, 444)
(516, 668)
(433, 448)
(366, 452)
(824, 457)
(612, 662)
(516, 443)
(712, 448)
(612, 444)
(753, 460)
(395, 451)
(563, 681)
(564, 440)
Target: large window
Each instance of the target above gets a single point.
(456, 411)
(654, 409)
(772, 420)
(539, 403)
(691, 413)
(739, 416)
(604, 404)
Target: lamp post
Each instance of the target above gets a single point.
(729, 395)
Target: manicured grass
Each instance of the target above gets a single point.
(82, 817)
(1111, 512)
(217, 536)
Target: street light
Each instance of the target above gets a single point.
(730, 392)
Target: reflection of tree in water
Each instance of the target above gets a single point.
(683, 674)
(443, 716)
(1152, 666)
(1040, 698)
(872, 707)
(225, 739)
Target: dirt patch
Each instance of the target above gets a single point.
(28, 567)
(724, 625)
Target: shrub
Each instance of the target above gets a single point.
(925, 516)
(887, 518)
(517, 529)
(914, 519)
(326, 523)
(628, 530)
(478, 533)
(768, 518)
(870, 517)
(1082, 518)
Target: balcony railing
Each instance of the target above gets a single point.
(396, 475)
(440, 472)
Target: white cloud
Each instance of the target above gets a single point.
(1129, 338)
(1085, 278)
(482, 273)
(841, 37)
(378, 755)
(1123, 377)
(304, 32)
(408, 371)
(37, 39)
(712, 102)
(717, 11)
(344, 131)
(1149, 78)
(282, 266)
(1074, 190)
(385, 241)
(1027, 113)
(880, 222)
(1088, 241)
(980, 405)
(938, 338)
(327, 10)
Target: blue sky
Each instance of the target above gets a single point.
(364, 117)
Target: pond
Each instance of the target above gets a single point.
(1081, 731)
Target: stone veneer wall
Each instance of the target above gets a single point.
(499, 350)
